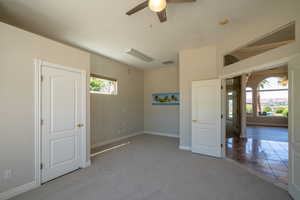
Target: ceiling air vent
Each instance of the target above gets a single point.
(168, 62)
(139, 55)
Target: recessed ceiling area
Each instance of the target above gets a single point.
(283, 36)
(104, 28)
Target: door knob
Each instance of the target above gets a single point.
(80, 125)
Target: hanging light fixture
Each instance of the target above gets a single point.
(157, 5)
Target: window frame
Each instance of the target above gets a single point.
(258, 90)
(104, 78)
(248, 90)
(229, 99)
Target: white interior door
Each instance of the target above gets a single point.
(206, 117)
(61, 99)
(294, 129)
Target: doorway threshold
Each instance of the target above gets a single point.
(259, 174)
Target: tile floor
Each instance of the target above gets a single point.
(265, 156)
(268, 133)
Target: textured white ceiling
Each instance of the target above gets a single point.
(101, 26)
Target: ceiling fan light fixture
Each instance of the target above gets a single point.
(157, 5)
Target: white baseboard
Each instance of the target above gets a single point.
(186, 148)
(18, 190)
(116, 139)
(87, 164)
(162, 134)
(266, 124)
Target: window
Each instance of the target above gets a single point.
(272, 97)
(230, 105)
(103, 85)
(249, 100)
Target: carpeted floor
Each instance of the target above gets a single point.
(153, 168)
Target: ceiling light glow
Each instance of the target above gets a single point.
(157, 5)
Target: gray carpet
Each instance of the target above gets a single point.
(152, 168)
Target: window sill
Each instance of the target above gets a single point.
(92, 92)
(258, 116)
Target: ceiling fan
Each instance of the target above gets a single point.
(158, 6)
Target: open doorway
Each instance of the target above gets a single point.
(257, 122)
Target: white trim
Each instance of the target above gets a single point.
(84, 135)
(271, 65)
(87, 163)
(99, 144)
(223, 120)
(37, 120)
(291, 132)
(37, 113)
(18, 190)
(162, 134)
(186, 148)
(267, 124)
(57, 66)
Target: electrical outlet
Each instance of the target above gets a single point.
(7, 174)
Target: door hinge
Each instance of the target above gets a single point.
(42, 166)
(221, 116)
(221, 87)
(42, 78)
(42, 122)
(221, 145)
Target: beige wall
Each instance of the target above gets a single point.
(281, 13)
(114, 116)
(18, 49)
(161, 119)
(194, 65)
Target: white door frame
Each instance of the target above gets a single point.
(239, 73)
(37, 111)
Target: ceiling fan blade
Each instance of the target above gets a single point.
(162, 15)
(180, 1)
(138, 8)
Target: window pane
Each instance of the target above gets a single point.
(249, 104)
(249, 100)
(103, 86)
(230, 109)
(273, 83)
(272, 97)
(273, 103)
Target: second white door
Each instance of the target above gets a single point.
(61, 94)
(206, 117)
